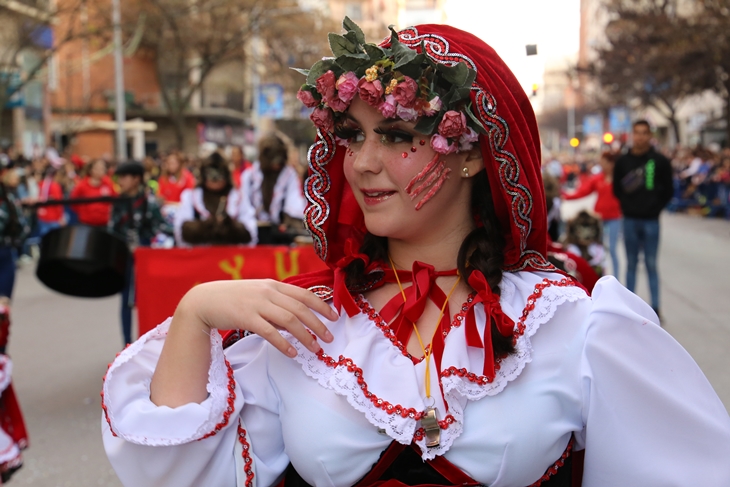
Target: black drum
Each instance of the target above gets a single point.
(83, 261)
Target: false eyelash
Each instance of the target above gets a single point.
(345, 132)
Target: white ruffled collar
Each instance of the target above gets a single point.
(369, 367)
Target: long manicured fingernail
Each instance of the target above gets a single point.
(291, 351)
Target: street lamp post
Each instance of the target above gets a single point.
(120, 104)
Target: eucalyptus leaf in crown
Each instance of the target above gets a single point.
(398, 81)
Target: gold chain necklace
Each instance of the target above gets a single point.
(430, 419)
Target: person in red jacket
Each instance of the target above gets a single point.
(94, 184)
(607, 206)
(50, 217)
(174, 180)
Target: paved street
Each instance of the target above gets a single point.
(61, 347)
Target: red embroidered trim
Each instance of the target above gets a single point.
(377, 402)
(103, 381)
(381, 324)
(531, 300)
(231, 400)
(247, 461)
(556, 466)
(388, 332)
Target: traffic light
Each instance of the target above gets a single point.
(534, 89)
(574, 142)
(608, 137)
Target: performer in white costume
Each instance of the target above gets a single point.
(440, 347)
(215, 212)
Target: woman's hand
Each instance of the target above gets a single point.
(262, 307)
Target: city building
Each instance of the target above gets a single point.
(24, 44)
(82, 97)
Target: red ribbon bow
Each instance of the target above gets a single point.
(494, 313)
(405, 313)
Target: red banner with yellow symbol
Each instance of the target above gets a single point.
(163, 276)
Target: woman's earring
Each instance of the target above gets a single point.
(465, 172)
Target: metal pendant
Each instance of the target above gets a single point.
(430, 423)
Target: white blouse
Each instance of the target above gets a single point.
(287, 195)
(238, 208)
(598, 369)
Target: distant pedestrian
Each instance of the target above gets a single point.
(51, 217)
(606, 206)
(137, 220)
(94, 184)
(13, 230)
(174, 180)
(642, 182)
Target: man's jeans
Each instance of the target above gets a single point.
(641, 234)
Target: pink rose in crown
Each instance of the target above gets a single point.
(467, 139)
(307, 98)
(434, 106)
(453, 124)
(338, 105)
(388, 107)
(326, 85)
(323, 119)
(347, 86)
(405, 92)
(441, 144)
(406, 114)
(371, 92)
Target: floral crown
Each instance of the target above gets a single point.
(399, 82)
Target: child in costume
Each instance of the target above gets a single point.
(440, 347)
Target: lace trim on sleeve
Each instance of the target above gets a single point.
(221, 389)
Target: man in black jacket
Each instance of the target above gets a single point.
(642, 182)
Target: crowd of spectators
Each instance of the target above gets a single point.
(702, 181)
(274, 190)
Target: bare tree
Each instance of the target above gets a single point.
(191, 39)
(654, 56)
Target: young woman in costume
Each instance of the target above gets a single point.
(274, 190)
(440, 347)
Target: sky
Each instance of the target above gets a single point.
(508, 25)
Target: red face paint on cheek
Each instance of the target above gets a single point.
(435, 188)
(433, 176)
(404, 155)
(422, 142)
(423, 174)
(413, 149)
